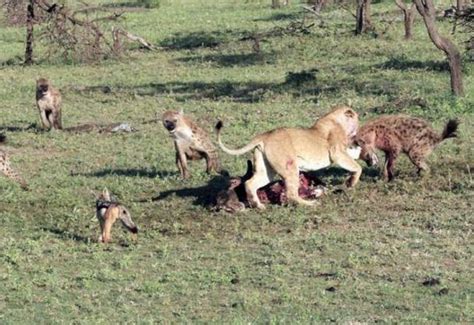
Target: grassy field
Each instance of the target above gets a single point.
(382, 252)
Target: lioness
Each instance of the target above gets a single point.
(287, 151)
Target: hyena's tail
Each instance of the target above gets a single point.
(254, 143)
(450, 130)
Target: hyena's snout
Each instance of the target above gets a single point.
(372, 159)
(170, 126)
(369, 156)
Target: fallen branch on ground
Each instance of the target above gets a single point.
(119, 31)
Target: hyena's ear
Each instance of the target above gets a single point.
(366, 139)
(181, 111)
(106, 194)
(359, 142)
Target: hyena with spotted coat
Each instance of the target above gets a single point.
(6, 169)
(191, 142)
(400, 133)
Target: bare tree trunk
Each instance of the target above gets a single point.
(363, 22)
(408, 16)
(427, 11)
(360, 17)
(460, 6)
(30, 16)
(367, 16)
(409, 19)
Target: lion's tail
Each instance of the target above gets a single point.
(255, 142)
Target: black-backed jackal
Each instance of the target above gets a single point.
(108, 210)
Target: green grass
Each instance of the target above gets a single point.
(360, 257)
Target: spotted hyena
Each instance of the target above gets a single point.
(191, 143)
(6, 169)
(399, 133)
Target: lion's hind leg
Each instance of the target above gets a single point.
(292, 184)
(263, 174)
(291, 175)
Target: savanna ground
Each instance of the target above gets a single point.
(375, 253)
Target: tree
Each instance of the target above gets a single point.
(363, 22)
(30, 16)
(76, 34)
(408, 17)
(427, 11)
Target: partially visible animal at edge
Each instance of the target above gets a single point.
(6, 169)
(108, 210)
(287, 151)
(234, 199)
(48, 100)
(191, 142)
(400, 133)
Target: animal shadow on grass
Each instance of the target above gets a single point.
(32, 126)
(203, 195)
(128, 172)
(337, 176)
(371, 172)
(66, 234)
